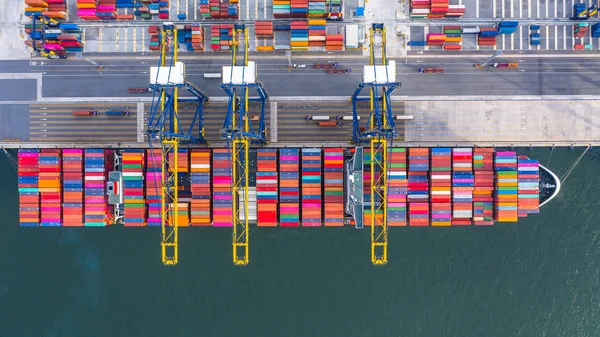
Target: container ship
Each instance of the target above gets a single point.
(289, 187)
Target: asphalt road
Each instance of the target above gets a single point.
(535, 76)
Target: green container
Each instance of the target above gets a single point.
(146, 16)
(95, 224)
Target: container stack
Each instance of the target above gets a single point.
(580, 30)
(204, 8)
(57, 9)
(420, 9)
(192, 36)
(506, 207)
(334, 42)
(266, 187)
(436, 39)
(439, 9)
(163, 9)
(507, 27)
(49, 185)
(86, 9)
(154, 186)
(200, 177)
(300, 35)
(487, 36)
(72, 173)
(316, 8)
(222, 198)
(106, 10)
(289, 193)
(534, 36)
(153, 32)
(596, 30)
(144, 12)
(281, 9)
(264, 29)
(96, 203)
(221, 37)
(183, 182)
(418, 186)
(299, 9)
(397, 187)
(311, 187)
(334, 186)
(35, 7)
(133, 188)
(317, 30)
(463, 184)
(453, 37)
(483, 199)
(29, 197)
(441, 203)
(455, 11)
(529, 184)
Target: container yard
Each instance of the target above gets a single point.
(427, 187)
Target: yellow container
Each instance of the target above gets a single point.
(317, 22)
(86, 5)
(454, 39)
(441, 224)
(264, 48)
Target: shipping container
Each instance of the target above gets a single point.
(311, 187)
(222, 207)
(289, 191)
(267, 197)
(333, 194)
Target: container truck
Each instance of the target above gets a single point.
(330, 124)
(317, 118)
(431, 70)
(118, 113)
(85, 113)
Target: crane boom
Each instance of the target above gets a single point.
(238, 79)
(164, 126)
(379, 132)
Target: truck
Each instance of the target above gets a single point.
(328, 65)
(330, 124)
(338, 71)
(137, 90)
(510, 65)
(431, 70)
(118, 113)
(85, 113)
(317, 118)
(346, 118)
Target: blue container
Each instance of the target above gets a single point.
(360, 11)
(535, 27)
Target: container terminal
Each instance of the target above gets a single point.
(180, 171)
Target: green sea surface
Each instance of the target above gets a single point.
(537, 277)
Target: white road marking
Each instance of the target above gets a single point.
(547, 38)
(196, 9)
(502, 7)
(476, 8)
(556, 37)
(564, 2)
(538, 8)
(494, 7)
(512, 41)
(555, 9)
(512, 8)
(528, 8)
(520, 9)
(520, 37)
(565, 37)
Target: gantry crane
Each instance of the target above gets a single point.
(238, 80)
(164, 125)
(379, 132)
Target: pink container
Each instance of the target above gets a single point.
(106, 8)
(222, 224)
(288, 158)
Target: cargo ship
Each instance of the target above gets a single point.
(288, 187)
